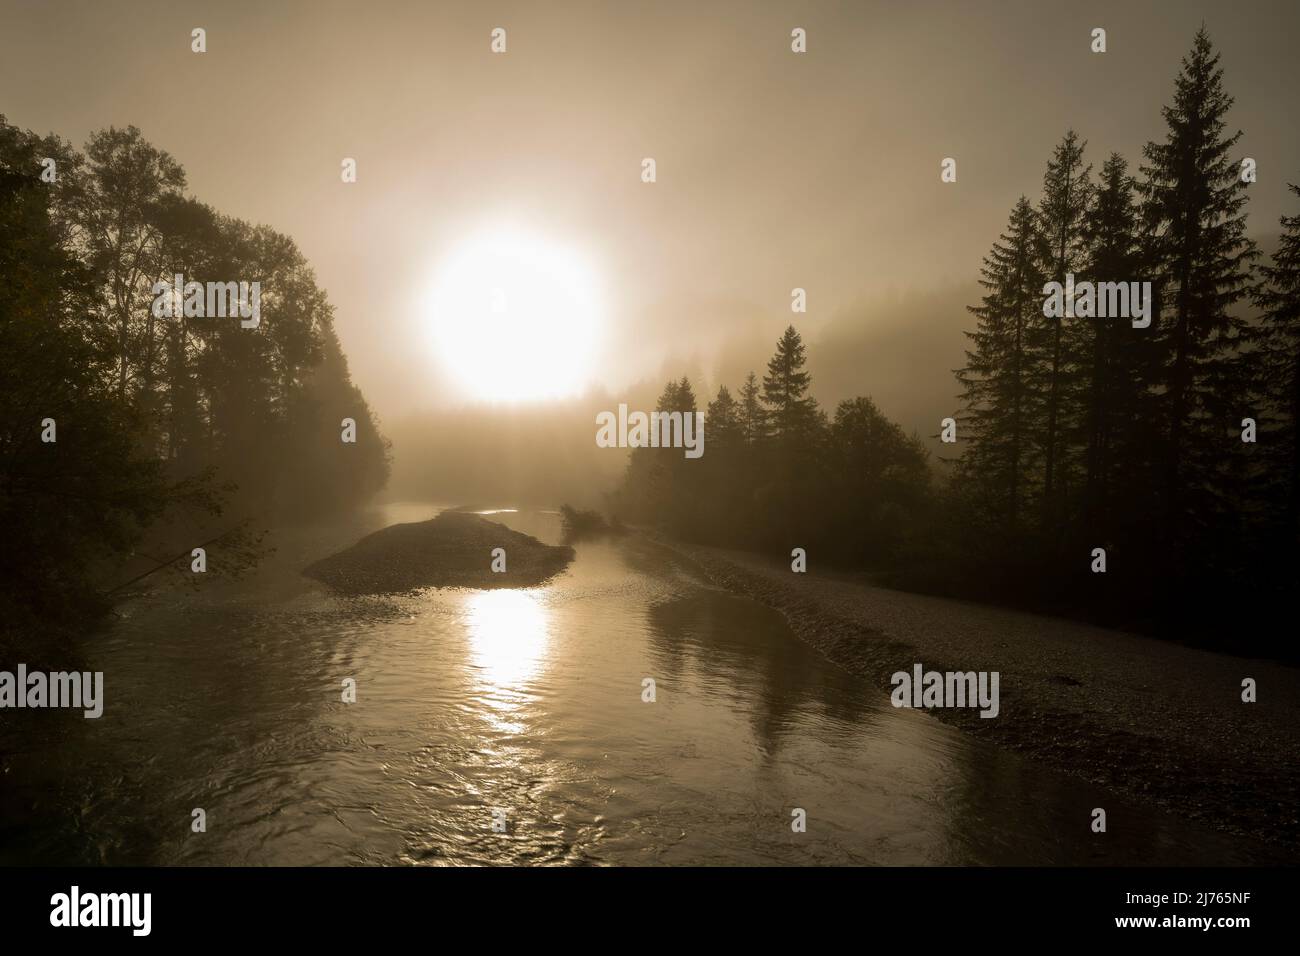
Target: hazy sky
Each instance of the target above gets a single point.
(775, 170)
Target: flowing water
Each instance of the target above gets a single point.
(521, 709)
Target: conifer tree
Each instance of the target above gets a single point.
(790, 411)
(1192, 199)
(752, 424)
(722, 419)
(1067, 191)
(1002, 409)
(1119, 365)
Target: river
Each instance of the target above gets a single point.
(510, 727)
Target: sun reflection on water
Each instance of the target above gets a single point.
(508, 633)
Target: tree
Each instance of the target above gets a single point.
(1066, 195)
(1002, 410)
(111, 209)
(789, 410)
(752, 423)
(660, 484)
(1192, 199)
(725, 469)
(792, 455)
(881, 481)
(1119, 371)
(722, 419)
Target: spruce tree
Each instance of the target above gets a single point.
(1192, 197)
(1119, 367)
(1066, 194)
(790, 411)
(722, 419)
(1002, 409)
(789, 490)
(752, 423)
(725, 470)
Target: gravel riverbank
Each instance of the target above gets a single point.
(455, 549)
(1155, 720)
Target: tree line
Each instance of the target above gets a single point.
(1146, 476)
(162, 427)
(777, 471)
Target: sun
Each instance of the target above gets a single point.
(515, 317)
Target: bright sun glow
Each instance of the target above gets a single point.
(515, 317)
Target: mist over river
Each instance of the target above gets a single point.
(528, 702)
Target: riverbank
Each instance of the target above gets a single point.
(1157, 721)
(455, 549)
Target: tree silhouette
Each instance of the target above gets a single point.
(1192, 199)
(1066, 195)
(1119, 372)
(1002, 408)
(788, 409)
(753, 424)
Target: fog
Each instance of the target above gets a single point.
(775, 171)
